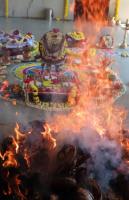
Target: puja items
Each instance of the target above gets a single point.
(105, 42)
(4, 37)
(15, 46)
(76, 44)
(125, 54)
(75, 39)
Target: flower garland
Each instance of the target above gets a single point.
(117, 9)
(66, 9)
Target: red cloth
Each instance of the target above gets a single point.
(28, 80)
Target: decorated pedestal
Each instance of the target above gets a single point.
(46, 88)
(51, 90)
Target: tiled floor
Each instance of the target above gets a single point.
(38, 27)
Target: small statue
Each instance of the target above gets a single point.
(106, 42)
(52, 47)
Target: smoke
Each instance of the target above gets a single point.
(105, 153)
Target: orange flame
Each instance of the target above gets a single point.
(95, 106)
(9, 159)
(95, 10)
(19, 136)
(47, 134)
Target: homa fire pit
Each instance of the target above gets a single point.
(34, 165)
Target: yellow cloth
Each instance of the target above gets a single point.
(77, 35)
(35, 94)
(47, 83)
(34, 88)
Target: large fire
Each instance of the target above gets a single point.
(93, 134)
(92, 11)
(16, 153)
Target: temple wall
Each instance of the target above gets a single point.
(35, 8)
